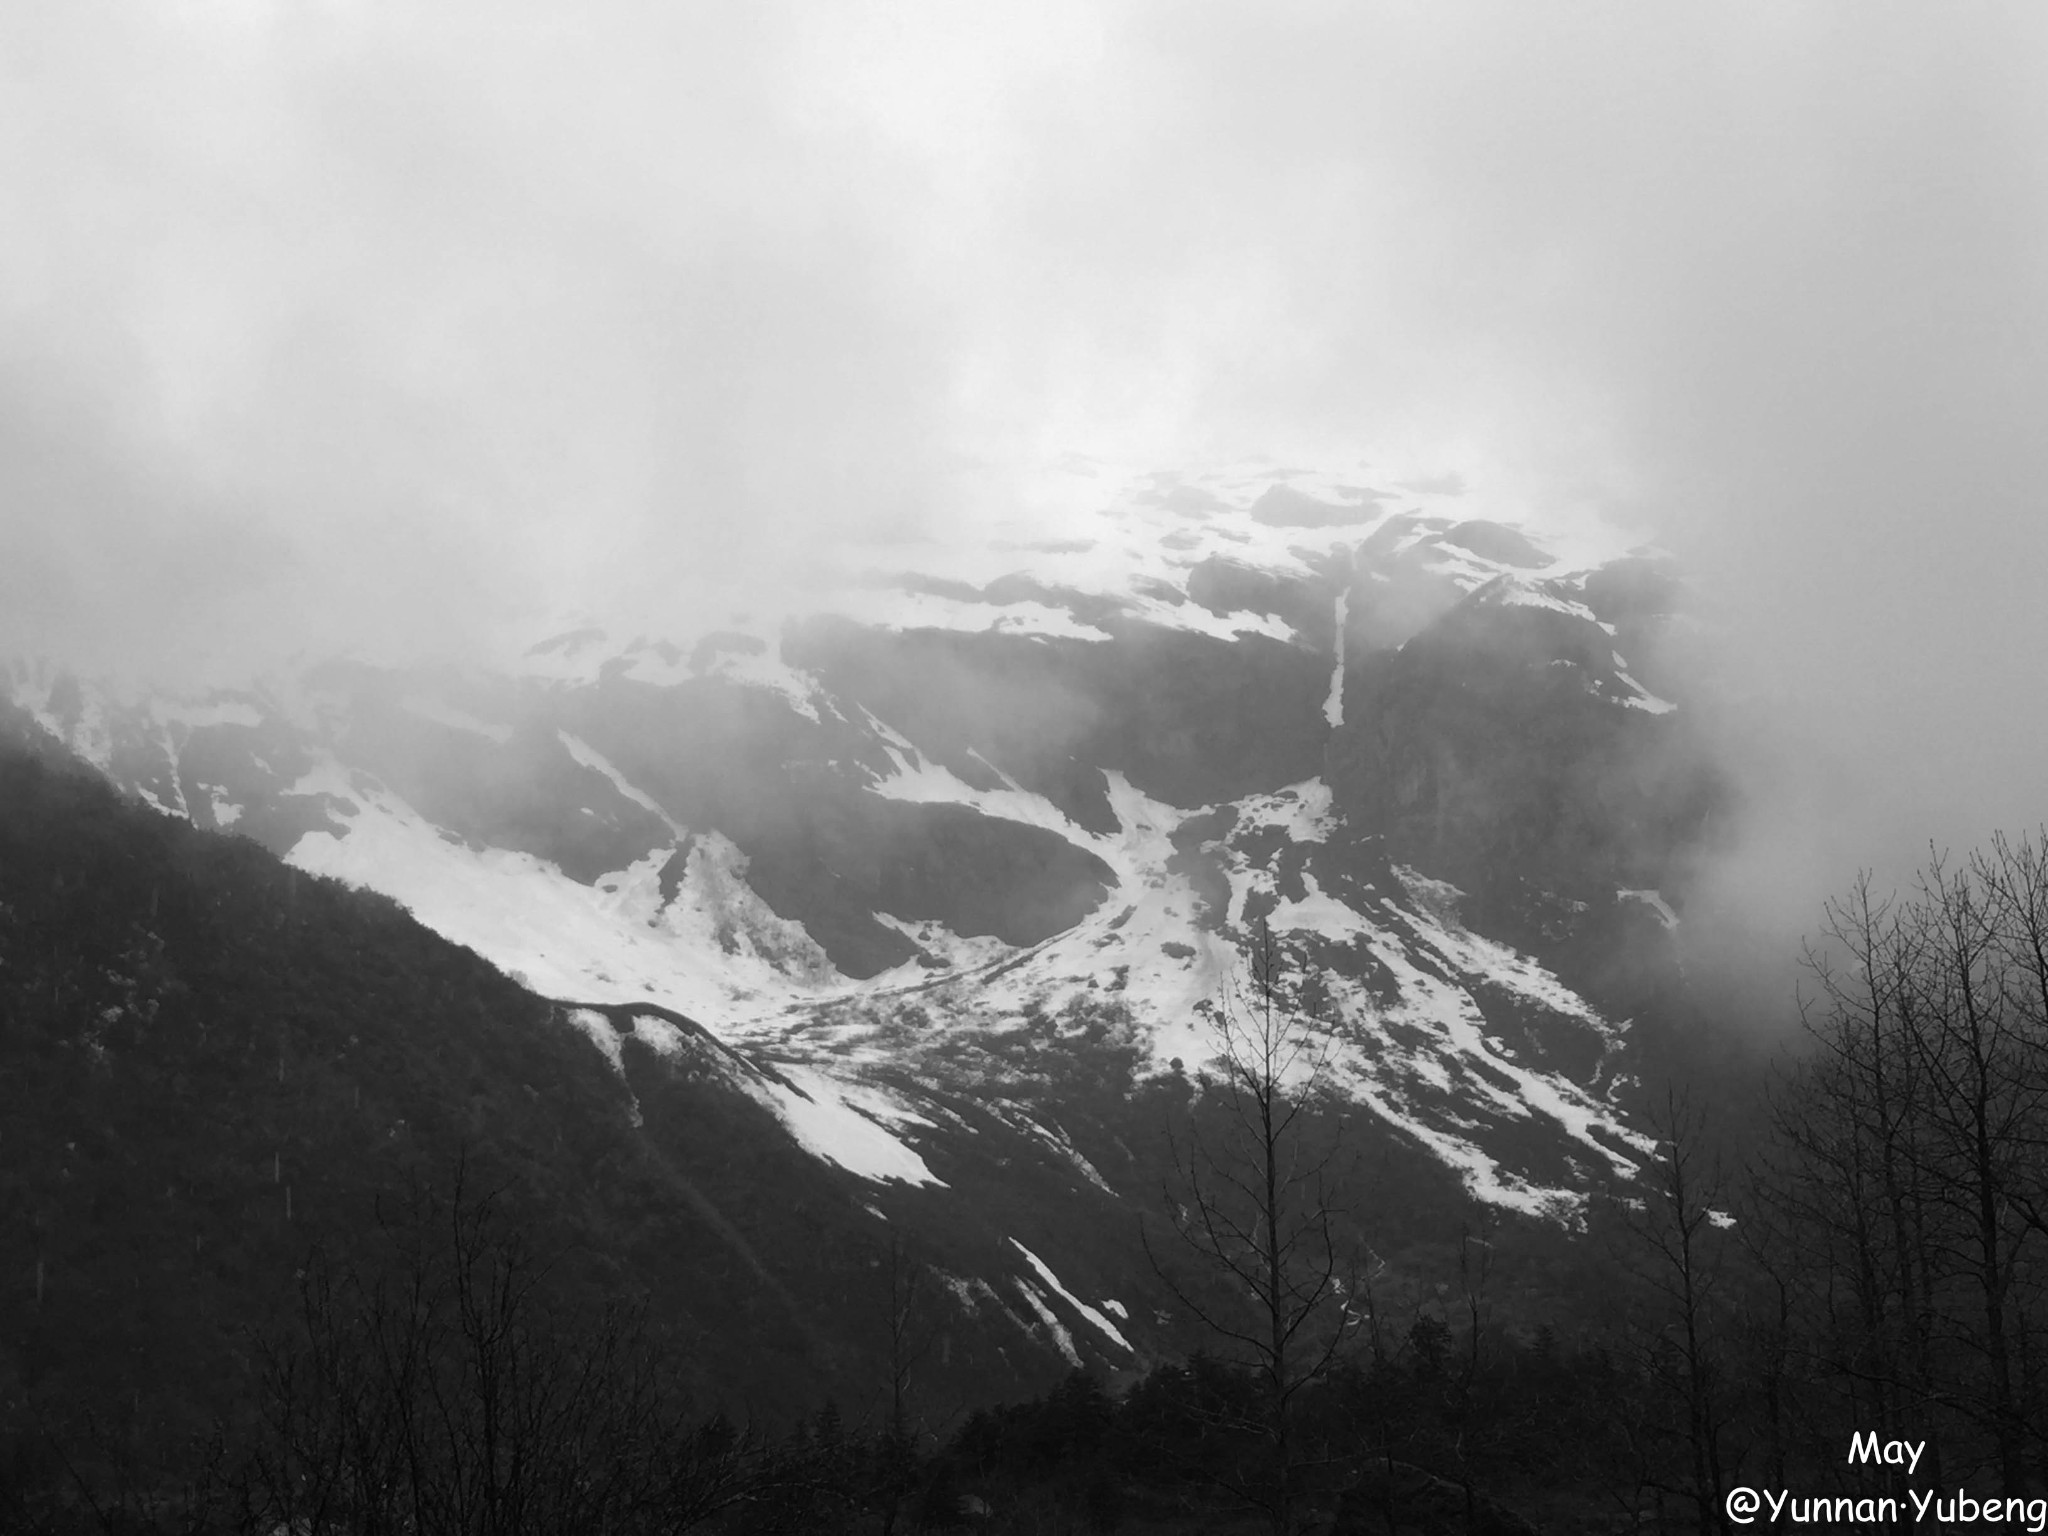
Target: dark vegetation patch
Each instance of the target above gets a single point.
(210, 1062)
(246, 1112)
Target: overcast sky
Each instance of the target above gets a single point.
(418, 324)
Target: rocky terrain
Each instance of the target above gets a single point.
(941, 886)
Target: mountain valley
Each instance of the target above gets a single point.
(908, 923)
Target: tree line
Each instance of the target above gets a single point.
(1853, 1304)
(1873, 1266)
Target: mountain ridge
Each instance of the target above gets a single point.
(1062, 781)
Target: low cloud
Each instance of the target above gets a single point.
(417, 329)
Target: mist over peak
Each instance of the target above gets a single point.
(350, 329)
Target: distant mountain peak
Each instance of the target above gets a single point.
(1027, 799)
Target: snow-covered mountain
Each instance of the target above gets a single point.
(973, 854)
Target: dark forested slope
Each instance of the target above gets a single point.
(210, 1062)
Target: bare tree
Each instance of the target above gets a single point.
(1681, 1259)
(441, 1391)
(911, 1337)
(1915, 1140)
(1256, 1210)
(1850, 1177)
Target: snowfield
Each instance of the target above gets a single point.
(717, 954)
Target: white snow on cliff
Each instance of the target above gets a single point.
(681, 928)
(1101, 1322)
(713, 948)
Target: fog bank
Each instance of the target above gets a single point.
(416, 329)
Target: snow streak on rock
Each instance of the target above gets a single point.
(1333, 706)
(1062, 1340)
(851, 1124)
(605, 1036)
(847, 1123)
(589, 757)
(442, 713)
(1655, 901)
(1090, 1314)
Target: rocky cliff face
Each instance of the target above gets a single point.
(956, 867)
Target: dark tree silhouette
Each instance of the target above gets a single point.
(1256, 1209)
(1680, 1255)
(439, 1392)
(1912, 1157)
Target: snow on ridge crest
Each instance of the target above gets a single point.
(1133, 548)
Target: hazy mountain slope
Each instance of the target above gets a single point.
(1028, 802)
(209, 1062)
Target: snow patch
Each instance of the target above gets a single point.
(1333, 706)
(841, 1123)
(87, 734)
(1641, 697)
(1062, 1340)
(1516, 592)
(589, 757)
(850, 1124)
(1319, 913)
(605, 1037)
(441, 713)
(1434, 919)
(1446, 1011)
(1052, 1136)
(715, 950)
(1089, 1313)
(956, 952)
(659, 1035)
(1655, 901)
(891, 607)
(799, 690)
